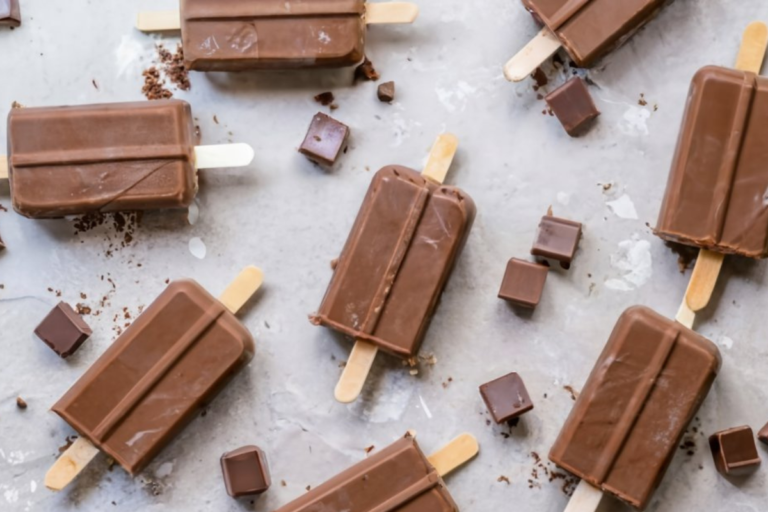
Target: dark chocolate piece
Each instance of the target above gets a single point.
(325, 98)
(21, 403)
(523, 283)
(246, 472)
(763, 435)
(10, 13)
(506, 398)
(734, 451)
(366, 72)
(573, 106)
(557, 239)
(325, 140)
(386, 92)
(63, 330)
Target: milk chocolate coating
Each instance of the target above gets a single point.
(241, 35)
(589, 29)
(10, 13)
(396, 479)
(63, 330)
(633, 411)
(398, 257)
(715, 196)
(246, 472)
(734, 451)
(152, 381)
(111, 157)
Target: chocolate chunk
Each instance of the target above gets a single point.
(366, 72)
(557, 239)
(246, 472)
(386, 92)
(573, 106)
(21, 403)
(63, 330)
(325, 98)
(10, 13)
(734, 451)
(325, 140)
(523, 283)
(763, 435)
(506, 398)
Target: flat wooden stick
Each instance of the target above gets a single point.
(441, 157)
(753, 47)
(242, 288)
(455, 454)
(356, 372)
(586, 498)
(387, 13)
(541, 47)
(70, 464)
(363, 354)
(220, 156)
(3, 167)
(754, 44)
(158, 21)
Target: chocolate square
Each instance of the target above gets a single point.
(325, 140)
(763, 435)
(573, 106)
(386, 92)
(734, 451)
(63, 330)
(246, 472)
(523, 283)
(557, 239)
(10, 13)
(506, 398)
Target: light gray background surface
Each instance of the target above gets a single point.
(291, 218)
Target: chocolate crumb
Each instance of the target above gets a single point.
(540, 78)
(503, 478)
(366, 72)
(574, 394)
(325, 98)
(95, 85)
(20, 403)
(386, 92)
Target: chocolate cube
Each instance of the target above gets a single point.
(573, 106)
(557, 239)
(63, 330)
(246, 472)
(325, 140)
(10, 13)
(734, 451)
(523, 283)
(506, 398)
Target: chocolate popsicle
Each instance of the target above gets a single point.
(630, 416)
(715, 197)
(402, 248)
(244, 35)
(111, 157)
(10, 13)
(587, 29)
(399, 478)
(175, 358)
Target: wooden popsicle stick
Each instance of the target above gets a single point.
(363, 354)
(455, 454)
(356, 372)
(245, 285)
(70, 464)
(387, 13)
(158, 21)
(223, 155)
(3, 167)
(541, 47)
(754, 45)
(585, 498)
